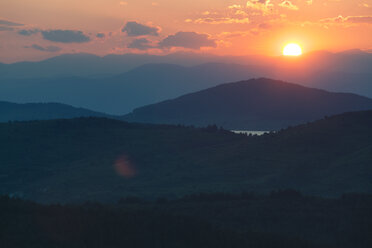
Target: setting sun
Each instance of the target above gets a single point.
(292, 50)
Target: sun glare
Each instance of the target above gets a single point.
(292, 50)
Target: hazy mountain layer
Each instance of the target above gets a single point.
(117, 84)
(42, 111)
(257, 104)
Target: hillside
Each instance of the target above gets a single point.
(42, 111)
(257, 104)
(102, 159)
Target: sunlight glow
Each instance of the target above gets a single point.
(292, 49)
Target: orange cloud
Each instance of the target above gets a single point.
(289, 5)
(264, 6)
(222, 20)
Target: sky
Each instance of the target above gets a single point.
(38, 29)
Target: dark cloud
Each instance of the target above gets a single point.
(100, 35)
(8, 23)
(65, 36)
(51, 49)
(188, 40)
(6, 28)
(28, 32)
(137, 29)
(140, 44)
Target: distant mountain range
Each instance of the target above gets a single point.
(42, 111)
(122, 93)
(102, 159)
(89, 65)
(117, 84)
(257, 104)
(92, 66)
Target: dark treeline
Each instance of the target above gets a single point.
(282, 219)
(26, 224)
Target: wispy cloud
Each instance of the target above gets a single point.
(28, 32)
(221, 20)
(264, 6)
(347, 19)
(6, 28)
(288, 4)
(9, 23)
(45, 49)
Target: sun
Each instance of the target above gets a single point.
(292, 49)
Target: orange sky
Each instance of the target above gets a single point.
(37, 29)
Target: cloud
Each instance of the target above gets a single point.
(65, 36)
(28, 32)
(235, 14)
(136, 29)
(348, 19)
(9, 23)
(359, 19)
(140, 44)
(264, 6)
(289, 5)
(221, 20)
(6, 28)
(57, 35)
(45, 49)
(100, 35)
(235, 6)
(188, 40)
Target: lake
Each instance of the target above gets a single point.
(259, 133)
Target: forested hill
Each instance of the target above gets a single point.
(102, 159)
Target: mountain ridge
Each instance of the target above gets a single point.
(254, 104)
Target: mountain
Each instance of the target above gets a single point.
(257, 104)
(93, 66)
(122, 93)
(102, 159)
(42, 111)
(117, 84)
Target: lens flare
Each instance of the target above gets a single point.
(124, 167)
